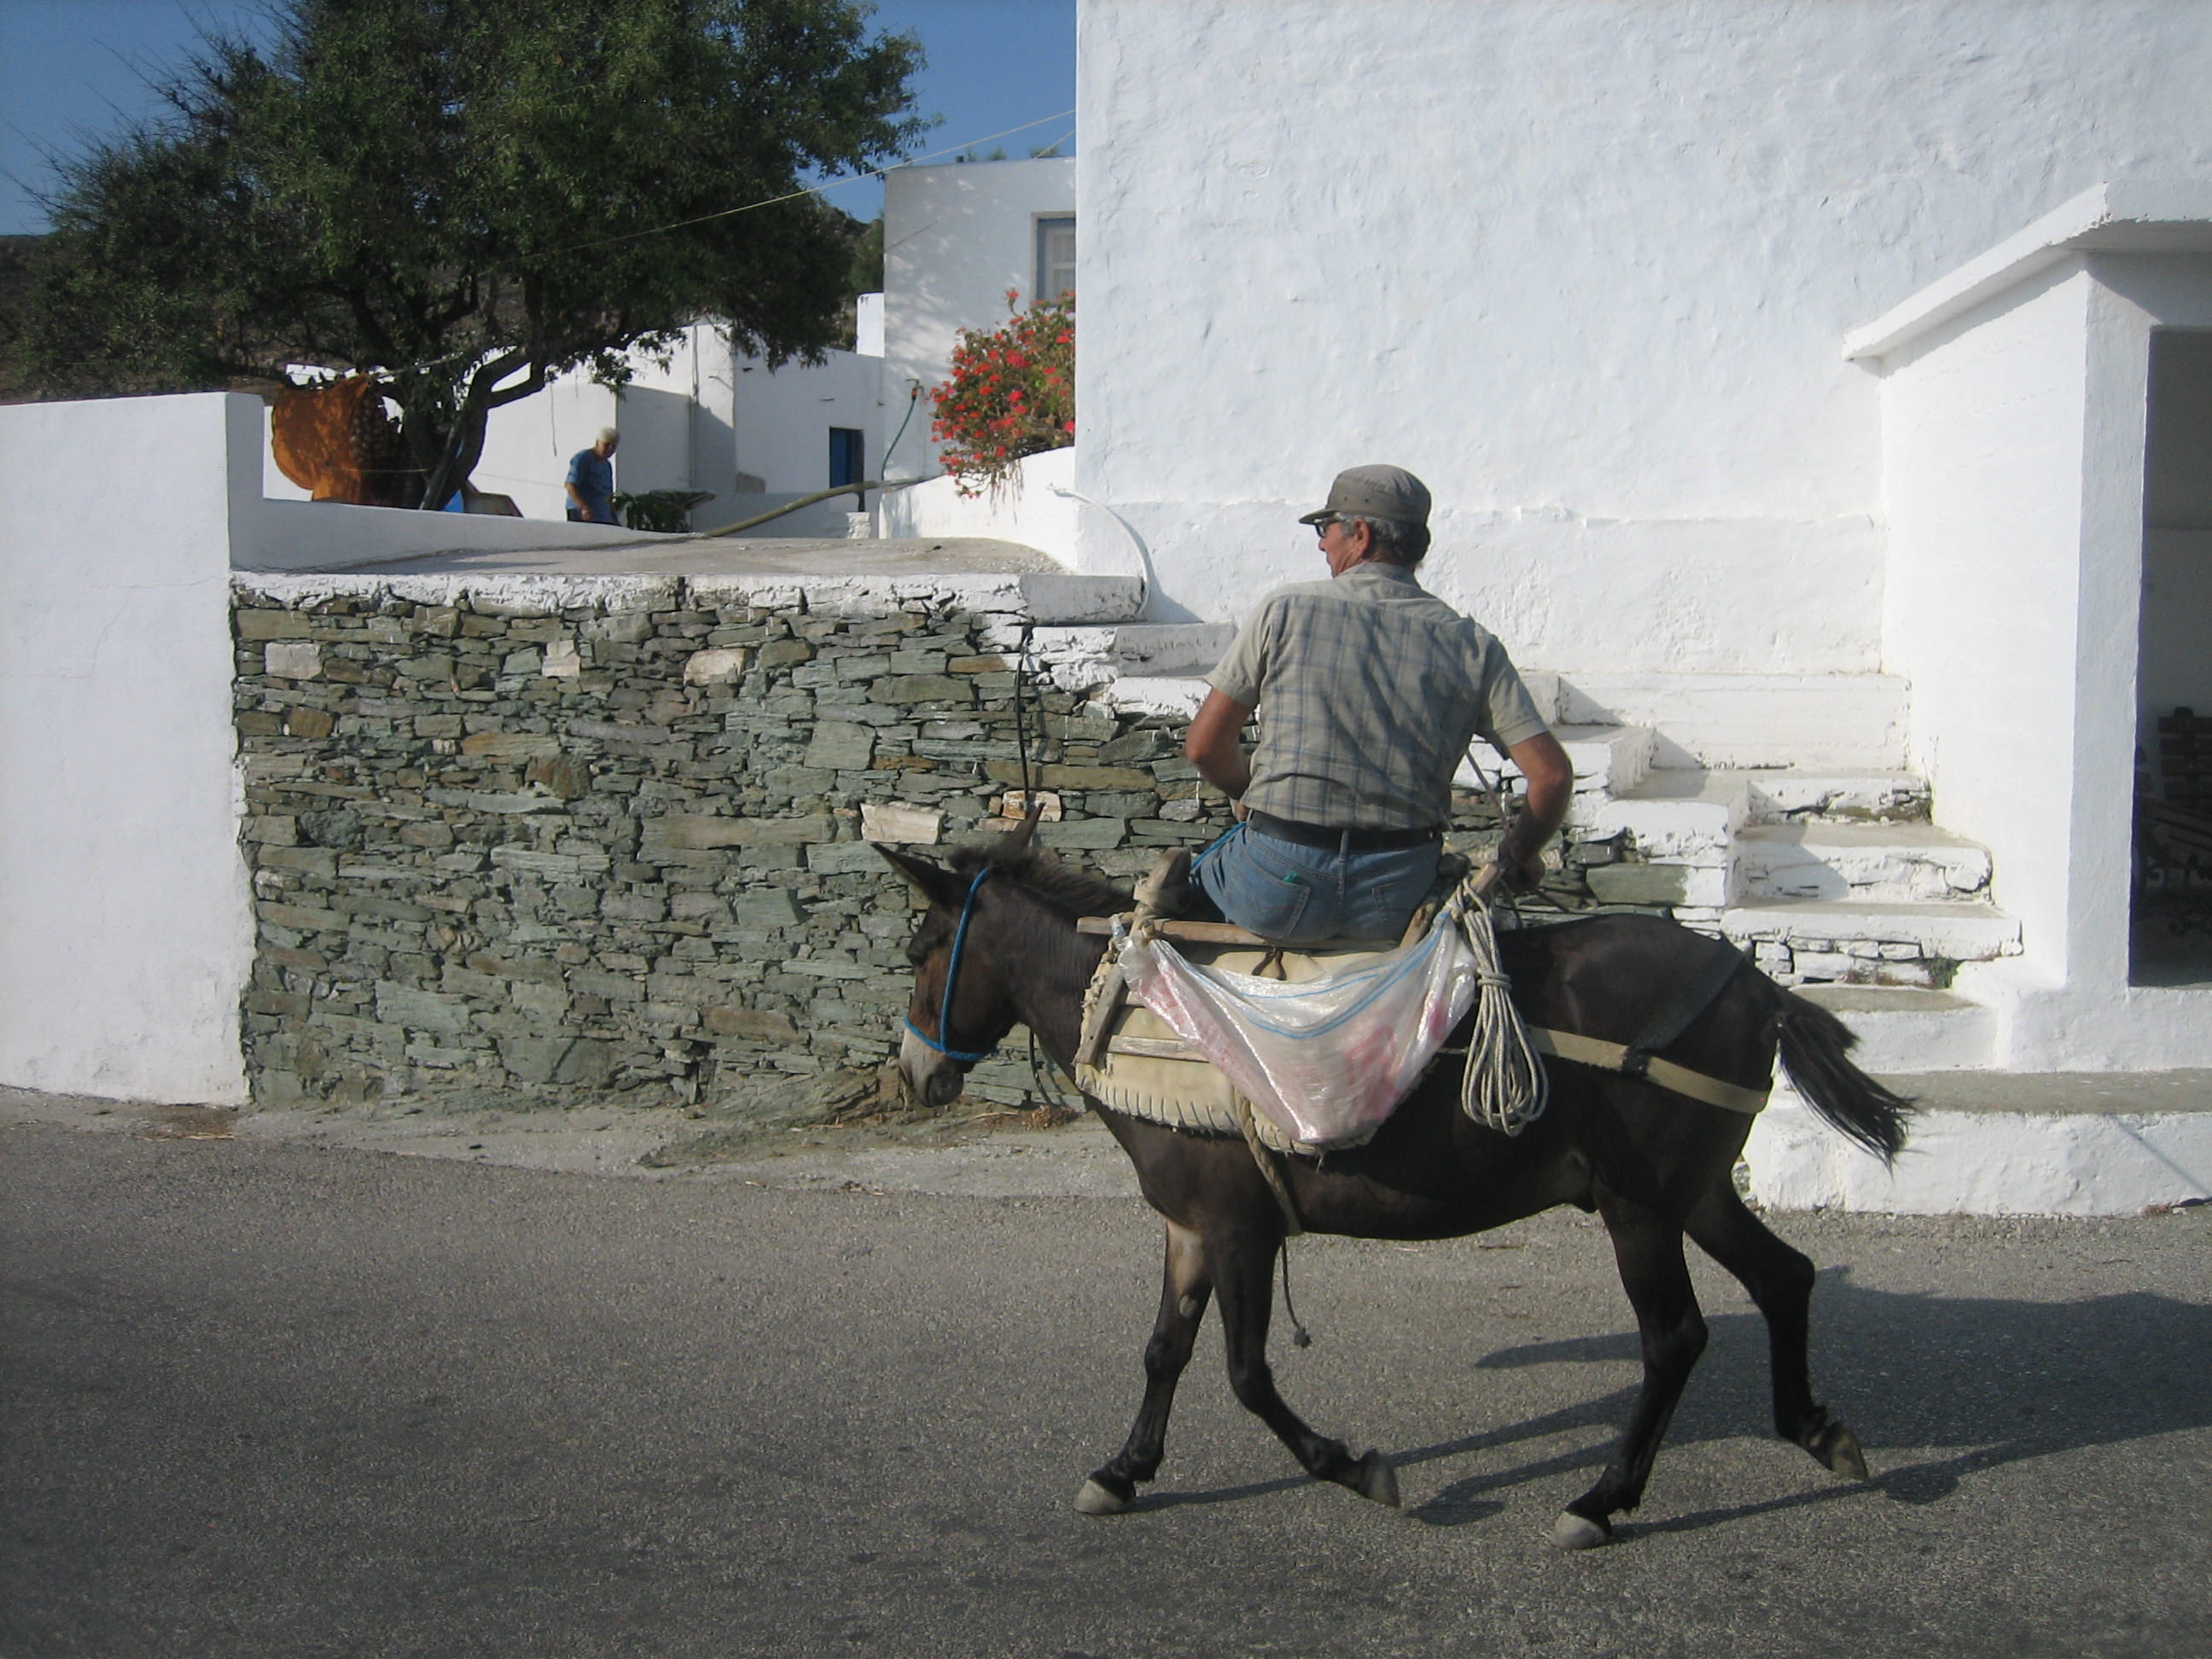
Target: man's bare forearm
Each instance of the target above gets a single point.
(1215, 744)
(1551, 780)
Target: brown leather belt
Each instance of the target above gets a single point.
(1352, 841)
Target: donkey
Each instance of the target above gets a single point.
(998, 946)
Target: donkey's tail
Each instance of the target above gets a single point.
(1816, 1054)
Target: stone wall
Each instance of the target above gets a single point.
(564, 838)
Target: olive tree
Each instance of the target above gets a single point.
(467, 196)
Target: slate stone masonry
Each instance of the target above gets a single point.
(546, 839)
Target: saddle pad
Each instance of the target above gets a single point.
(1145, 1070)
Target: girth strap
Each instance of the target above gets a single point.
(1681, 1079)
(1670, 1022)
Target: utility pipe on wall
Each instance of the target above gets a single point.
(858, 491)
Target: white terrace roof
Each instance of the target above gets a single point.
(2123, 216)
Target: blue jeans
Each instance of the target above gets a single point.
(1300, 895)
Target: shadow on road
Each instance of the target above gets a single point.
(2002, 1380)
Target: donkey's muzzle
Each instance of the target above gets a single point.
(930, 1077)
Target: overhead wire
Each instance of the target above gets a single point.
(817, 189)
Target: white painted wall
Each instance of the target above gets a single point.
(295, 535)
(1983, 430)
(784, 416)
(527, 444)
(1027, 512)
(2015, 434)
(955, 237)
(1582, 266)
(125, 926)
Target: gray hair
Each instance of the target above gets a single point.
(609, 435)
(1398, 540)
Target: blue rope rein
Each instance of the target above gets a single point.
(952, 977)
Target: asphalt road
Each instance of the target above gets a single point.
(268, 1398)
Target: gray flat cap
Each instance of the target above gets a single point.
(1380, 492)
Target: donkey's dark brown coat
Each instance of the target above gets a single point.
(1654, 1165)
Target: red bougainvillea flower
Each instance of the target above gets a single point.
(1011, 394)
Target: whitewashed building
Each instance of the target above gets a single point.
(704, 418)
(957, 238)
(1810, 389)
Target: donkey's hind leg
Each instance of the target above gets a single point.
(1185, 1285)
(1647, 1245)
(1780, 1280)
(1244, 1264)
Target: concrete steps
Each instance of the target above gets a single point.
(1774, 811)
(1912, 944)
(1608, 760)
(1850, 722)
(1881, 863)
(1906, 1029)
(2001, 1143)
(1828, 871)
(1084, 659)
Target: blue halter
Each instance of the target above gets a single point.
(951, 974)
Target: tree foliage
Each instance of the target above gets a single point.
(468, 197)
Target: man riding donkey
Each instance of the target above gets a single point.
(1369, 689)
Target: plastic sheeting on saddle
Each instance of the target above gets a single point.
(1324, 1053)
(1145, 1069)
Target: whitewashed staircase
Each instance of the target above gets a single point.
(1770, 810)
(1829, 871)
(1825, 866)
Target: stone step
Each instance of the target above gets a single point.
(1907, 1028)
(1167, 650)
(1608, 760)
(1176, 697)
(2001, 1143)
(1780, 794)
(1815, 939)
(1886, 863)
(1083, 658)
(1675, 817)
(1847, 721)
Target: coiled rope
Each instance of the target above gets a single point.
(1505, 1085)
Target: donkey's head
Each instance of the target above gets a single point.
(994, 946)
(960, 1010)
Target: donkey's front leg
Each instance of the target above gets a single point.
(1647, 1246)
(1185, 1285)
(1244, 1263)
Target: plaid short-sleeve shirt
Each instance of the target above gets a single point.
(1370, 688)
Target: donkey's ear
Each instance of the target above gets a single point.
(932, 881)
(1017, 841)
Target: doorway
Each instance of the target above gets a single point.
(2171, 930)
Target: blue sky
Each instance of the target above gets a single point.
(71, 69)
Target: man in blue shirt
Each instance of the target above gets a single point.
(592, 481)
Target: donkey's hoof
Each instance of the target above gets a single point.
(1375, 1476)
(1097, 1499)
(1578, 1532)
(1838, 1447)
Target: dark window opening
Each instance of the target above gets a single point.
(848, 455)
(1055, 257)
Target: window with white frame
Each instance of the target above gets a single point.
(1056, 257)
